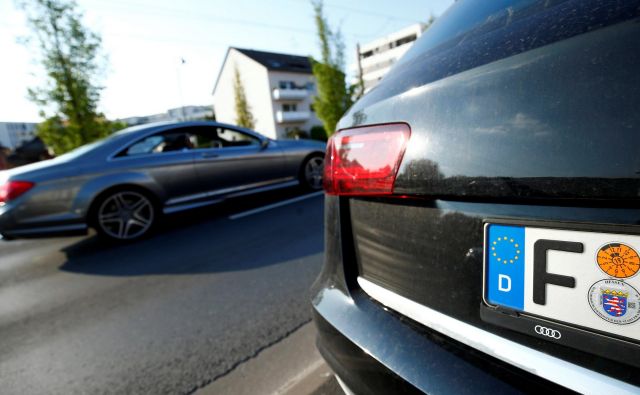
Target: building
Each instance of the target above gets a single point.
(185, 113)
(377, 57)
(14, 134)
(191, 113)
(279, 89)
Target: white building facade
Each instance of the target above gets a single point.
(14, 134)
(279, 89)
(377, 57)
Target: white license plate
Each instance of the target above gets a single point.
(586, 279)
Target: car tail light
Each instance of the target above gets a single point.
(12, 189)
(365, 160)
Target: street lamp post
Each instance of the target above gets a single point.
(179, 69)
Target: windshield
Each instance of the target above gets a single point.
(81, 150)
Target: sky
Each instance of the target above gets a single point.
(145, 40)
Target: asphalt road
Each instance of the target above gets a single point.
(168, 314)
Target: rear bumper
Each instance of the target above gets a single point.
(47, 231)
(358, 371)
(11, 228)
(374, 350)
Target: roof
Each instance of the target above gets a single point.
(272, 61)
(278, 61)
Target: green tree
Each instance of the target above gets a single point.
(334, 97)
(318, 133)
(71, 57)
(244, 117)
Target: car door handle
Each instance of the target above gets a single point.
(210, 155)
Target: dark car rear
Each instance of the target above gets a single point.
(521, 114)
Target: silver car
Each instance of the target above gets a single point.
(122, 184)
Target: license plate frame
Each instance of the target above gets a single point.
(607, 344)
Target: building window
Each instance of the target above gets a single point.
(367, 54)
(289, 107)
(287, 85)
(405, 40)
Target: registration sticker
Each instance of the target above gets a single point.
(581, 278)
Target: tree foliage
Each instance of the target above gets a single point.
(244, 117)
(318, 133)
(334, 97)
(71, 57)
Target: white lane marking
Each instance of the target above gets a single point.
(275, 205)
(306, 372)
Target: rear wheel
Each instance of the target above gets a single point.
(312, 172)
(125, 215)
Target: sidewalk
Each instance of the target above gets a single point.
(292, 366)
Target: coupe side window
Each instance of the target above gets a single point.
(205, 138)
(160, 143)
(221, 138)
(234, 138)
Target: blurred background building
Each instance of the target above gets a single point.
(19, 145)
(375, 58)
(279, 89)
(14, 134)
(185, 113)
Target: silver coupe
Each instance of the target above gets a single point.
(122, 184)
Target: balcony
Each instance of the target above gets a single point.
(290, 94)
(292, 116)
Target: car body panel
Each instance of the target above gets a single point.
(436, 261)
(471, 138)
(239, 166)
(67, 186)
(372, 349)
(514, 116)
(173, 172)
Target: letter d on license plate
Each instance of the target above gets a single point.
(579, 278)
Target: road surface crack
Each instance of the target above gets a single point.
(255, 354)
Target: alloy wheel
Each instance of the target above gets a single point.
(126, 215)
(313, 172)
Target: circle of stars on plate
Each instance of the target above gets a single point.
(514, 246)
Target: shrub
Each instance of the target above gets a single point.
(318, 133)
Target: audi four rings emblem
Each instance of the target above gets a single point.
(548, 332)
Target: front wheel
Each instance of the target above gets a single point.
(125, 215)
(312, 173)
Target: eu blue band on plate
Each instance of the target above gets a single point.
(505, 270)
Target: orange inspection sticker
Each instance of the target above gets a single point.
(618, 260)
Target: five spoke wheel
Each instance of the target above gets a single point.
(125, 215)
(313, 172)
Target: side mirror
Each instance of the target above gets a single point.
(264, 143)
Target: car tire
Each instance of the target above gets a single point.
(311, 172)
(125, 215)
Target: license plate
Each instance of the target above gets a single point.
(581, 278)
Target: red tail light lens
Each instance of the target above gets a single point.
(365, 160)
(12, 189)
